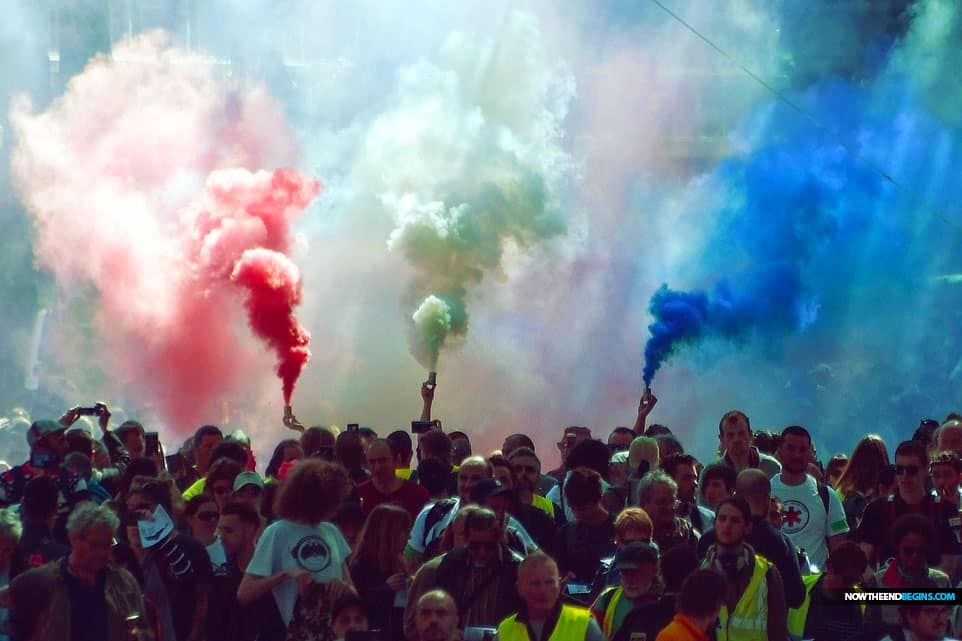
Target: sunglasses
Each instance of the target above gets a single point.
(208, 516)
(911, 470)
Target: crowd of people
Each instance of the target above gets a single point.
(351, 535)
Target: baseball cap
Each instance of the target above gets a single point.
(248, 478)
(632, 556)
(486, 488)
(41, 429)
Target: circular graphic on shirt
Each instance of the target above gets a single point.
(312, 554)
(796, 517)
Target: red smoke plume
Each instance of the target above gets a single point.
(134, 181)
(274, 289)
(243, 235)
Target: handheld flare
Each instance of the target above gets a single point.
(290, 421)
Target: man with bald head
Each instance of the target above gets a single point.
(435, 518)
(385, 486)
(437, 617)
(543, 615)
(754, 486)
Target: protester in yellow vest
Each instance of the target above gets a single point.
(635, 606)
(543, 615)
(754, 607)
(699, 602)
(824, 615)
(526, 473)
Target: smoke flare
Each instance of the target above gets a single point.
(436, 318)
(469, 161)
(274, 289)
(153, 207)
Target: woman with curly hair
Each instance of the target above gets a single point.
(302, 557)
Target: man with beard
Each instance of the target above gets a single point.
(681, 468)
(636, 605)
(658, 496)
(437, 617)
(227, 620)
(754, 607)
(814, 518)
(481, 575)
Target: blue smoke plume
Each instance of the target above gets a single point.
(797, 204)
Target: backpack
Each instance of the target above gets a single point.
(823, 491)
(435, 515)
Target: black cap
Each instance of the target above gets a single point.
(486, 488)
(632, 556)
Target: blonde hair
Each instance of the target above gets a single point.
(632, 518)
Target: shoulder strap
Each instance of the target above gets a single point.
(823, 494)
(696, 520)
(438, 512)
(606, 597)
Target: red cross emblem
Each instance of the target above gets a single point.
(792, 517)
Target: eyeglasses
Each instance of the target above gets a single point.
(911, 470)
(208, 516)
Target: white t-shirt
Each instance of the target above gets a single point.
(218, 557)
(416, 540)
(806, 523)
(284, 545)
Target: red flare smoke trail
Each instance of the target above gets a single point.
(274, 289)
(243, 235)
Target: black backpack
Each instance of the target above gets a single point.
(435, 515)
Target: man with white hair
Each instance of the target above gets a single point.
(92, 599)
(948, 438)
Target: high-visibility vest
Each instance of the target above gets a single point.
(572, 625)
(543, 504)
(798, 616)
(749, 621)
(608, 624)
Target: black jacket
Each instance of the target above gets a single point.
(498, 585)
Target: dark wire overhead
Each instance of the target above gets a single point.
(868, 162)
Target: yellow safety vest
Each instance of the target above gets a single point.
(572, 625)
(196, 489)
(608, 625)
(749, 621)
(798, 616)
(543, 504)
